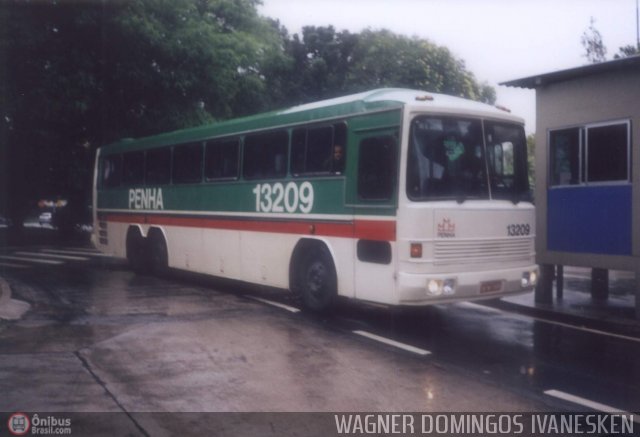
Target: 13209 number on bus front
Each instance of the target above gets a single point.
(290, 198)
(518, 230)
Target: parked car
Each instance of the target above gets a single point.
(5, 222)
(46, 218)
(40, 218)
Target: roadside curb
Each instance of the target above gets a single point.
(10, 309)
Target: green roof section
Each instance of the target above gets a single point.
(337, 108)
(380, 99)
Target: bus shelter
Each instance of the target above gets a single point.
(587, 162)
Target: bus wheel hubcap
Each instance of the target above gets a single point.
(316, 277)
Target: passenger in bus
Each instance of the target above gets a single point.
(468, 164)
(337, 160)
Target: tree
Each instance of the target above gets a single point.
(595, 50)
(76, 75)
(189, 62)
(626, 51)
(382, 58)
(531, 159)
(321, 58)
(329, 63)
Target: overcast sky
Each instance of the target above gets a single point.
(499, 40)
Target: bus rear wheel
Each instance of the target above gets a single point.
(136, 253)
(157, 252)
(317, 280)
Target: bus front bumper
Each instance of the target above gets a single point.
(425, 289)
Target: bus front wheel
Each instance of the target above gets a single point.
(317, 280)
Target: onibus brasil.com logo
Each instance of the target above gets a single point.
(21, 424)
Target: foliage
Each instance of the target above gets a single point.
(626, 51)
(321, 60)
(382, 58)
(531, 159)
(85, 73)
(187, 62)
(76, 75)
(595, 50)
(330, 63)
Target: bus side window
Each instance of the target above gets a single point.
(187, 163)
(339, 148)
(298, 151)
(265, 155)
(111, 174)
(318, 150)
(133, 168)
(158, 166)
(319, 145)
(311, 150)
(221, 159)
(376, 168)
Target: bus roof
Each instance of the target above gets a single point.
(369, 101)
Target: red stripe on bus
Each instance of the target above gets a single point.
(381, 230)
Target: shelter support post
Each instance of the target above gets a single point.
(599, 284)
(637, 289)
(559, 281)
(544, 289)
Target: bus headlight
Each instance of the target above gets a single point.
(449, 287)
(436, 287)
(529, 279)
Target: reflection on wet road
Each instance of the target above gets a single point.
(527, 354)
(100, 338)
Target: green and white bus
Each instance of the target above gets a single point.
(392, 196)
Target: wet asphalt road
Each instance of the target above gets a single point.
(99, 338)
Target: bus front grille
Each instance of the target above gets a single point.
(483, 251)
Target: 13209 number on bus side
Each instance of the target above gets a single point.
(290, 198)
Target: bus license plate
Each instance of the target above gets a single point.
(490, 287)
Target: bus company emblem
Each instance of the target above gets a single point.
(446, 228)
(145, 198)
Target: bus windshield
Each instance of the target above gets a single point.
(455, 158)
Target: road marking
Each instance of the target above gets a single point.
(276, 304)
(589, 404)
(54, 256)
(75, 249)
(553, 322)
(31, 260)
(390, 342)
(77, 252)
